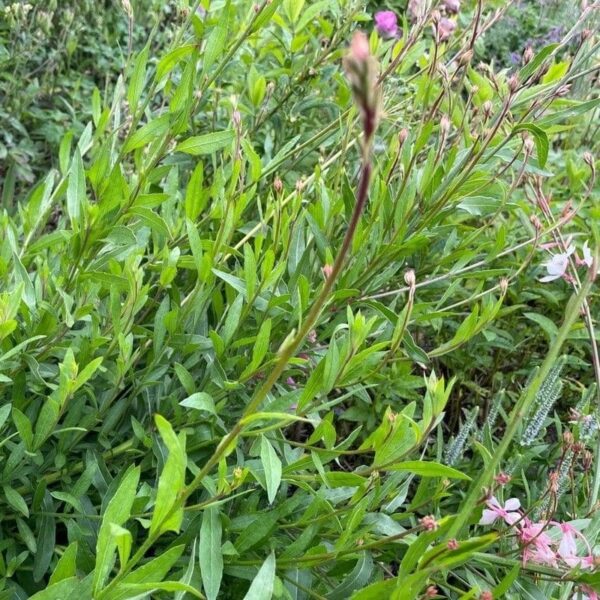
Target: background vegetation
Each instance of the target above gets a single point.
(176, 182)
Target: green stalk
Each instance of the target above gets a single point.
(572, 313)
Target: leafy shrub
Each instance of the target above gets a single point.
(253, 348)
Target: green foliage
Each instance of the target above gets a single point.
(187, 411)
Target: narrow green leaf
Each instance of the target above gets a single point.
(272, 467)
(207, 143)
(211, 558)
(66, 566)
(117, 512)
(263, 584)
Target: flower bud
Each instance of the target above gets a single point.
(513, 83)
(588, 159)
(403, 135)
(445, 124)
(528, 145)
(452, 544)
(527, 55)
(327, 271)
(409, 278)
(278, 185)
(429, 523)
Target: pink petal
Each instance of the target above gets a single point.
(567, 547)
(512, 517)
(512, 504)
(488, 517)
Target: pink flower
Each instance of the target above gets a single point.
(557, 265)
(386, 23)
(538, 545)
(567, 548)
(445, 28)
(508, 512)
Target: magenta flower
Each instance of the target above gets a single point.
(508, 512)
(386, 23)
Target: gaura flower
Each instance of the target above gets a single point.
(557, 265)
(386, 23)
(508, 512)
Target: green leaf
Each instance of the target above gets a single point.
(66, 566)
(428, 469)
(211, 558)
(207, 143)
(200, 401)
(117, 512)
(355, 580)
(76, 190)
(217, 39)
(152, 220)
(194, 196)
(15, 500)
(171, 481)
(272, 467)
(138, 77)
(549, 327)
(263, 584)
(137, 589)
(531, 67)
(541, 140)
(148, 133)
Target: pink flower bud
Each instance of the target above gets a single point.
(429, 523)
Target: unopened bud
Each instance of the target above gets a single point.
(487, 595)
(452, 6)
(445, 124)
(527, 55)
(429, 523)
(431, 592)
(403, 135)
(436, 16)
(528, 145)
(452, 544)
(502, 478)
(588, 159)
(535, 221)
(236, 117)
(409, 278)
(586, 34)
(513, 83)
(466, 57)
(503, 285)
(278, 185)
(488, 107)
(327, 271)
(568, 438)
(563, 90)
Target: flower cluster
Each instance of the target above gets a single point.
(537, 544)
